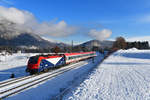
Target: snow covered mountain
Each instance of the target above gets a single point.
(25, 39)
(101, 44)
(13, 35)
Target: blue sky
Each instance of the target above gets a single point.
(128, 18)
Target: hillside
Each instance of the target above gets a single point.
(26, 39)
(12, 35)
(101, 44)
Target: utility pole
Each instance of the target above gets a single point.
(72, 46)
(92, 44)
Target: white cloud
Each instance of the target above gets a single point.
(12, 14)
(26, 21)
(49, 39)
(100, 35)
(56, 30)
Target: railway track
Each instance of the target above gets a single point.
(14, 86)
(11, 81)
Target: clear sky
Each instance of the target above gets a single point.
(128, 18)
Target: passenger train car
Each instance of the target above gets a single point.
(41, 63)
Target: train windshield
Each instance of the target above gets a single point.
(33, 60)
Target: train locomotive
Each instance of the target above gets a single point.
(42, 63)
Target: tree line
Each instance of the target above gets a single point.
(121, 43)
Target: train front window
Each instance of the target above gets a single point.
(33, 60)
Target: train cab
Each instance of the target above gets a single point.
(33, 64)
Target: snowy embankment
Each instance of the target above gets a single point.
(15, 63)
(53, 87)
(125, 75)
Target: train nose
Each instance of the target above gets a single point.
(32, 66)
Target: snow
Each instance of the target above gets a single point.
(125, 75)
(16, 63)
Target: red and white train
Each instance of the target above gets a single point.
(41, 63)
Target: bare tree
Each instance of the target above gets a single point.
(56, 49)
(120, 43)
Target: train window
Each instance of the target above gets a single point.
(70, 58)
(33, 60)
(82, 55)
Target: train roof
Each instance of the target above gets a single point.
(71, 54)
(60, 55)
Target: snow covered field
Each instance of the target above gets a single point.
(125, 75)
(16, 63)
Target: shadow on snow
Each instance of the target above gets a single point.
(18, 71)
(126, 63)
(136, 55)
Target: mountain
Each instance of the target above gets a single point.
(13, 35)
(26, 39)
(101, 44)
